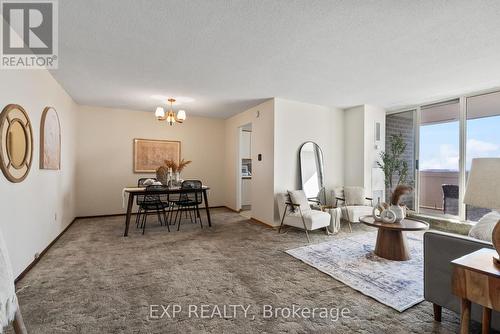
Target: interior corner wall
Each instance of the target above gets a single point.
(262, 142)
(361, 149)
(37, 209)
(373, 176)
(105, 154)
(354, 152)
(296, 123)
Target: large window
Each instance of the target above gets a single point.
(447, 136)
(483, 136)
(439, 158)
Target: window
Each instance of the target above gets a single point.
(483, 136)
(439, 158)
(447, 136)
(403, 123)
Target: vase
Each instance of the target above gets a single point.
(399, 211)
(377, 211)
(176, 179)
(388, 216)
(162, 175)
(495, 238)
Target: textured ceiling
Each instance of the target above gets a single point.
(229, 55)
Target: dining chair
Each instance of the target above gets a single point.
(189, 202)
(151, 203)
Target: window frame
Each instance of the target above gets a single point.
(417, 109)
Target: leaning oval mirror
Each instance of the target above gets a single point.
(311, 172)
(16, 143)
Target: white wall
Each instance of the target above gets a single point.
(36, 210)
(296, 123)
(373, 176)
(354, 123)
(262, 171)
(360, 152)
(105, 154)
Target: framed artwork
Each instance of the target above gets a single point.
(149, 154)
(50, 140)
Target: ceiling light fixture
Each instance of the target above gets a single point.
(170, 117)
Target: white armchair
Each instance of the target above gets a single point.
(353, 202)
(297, 213)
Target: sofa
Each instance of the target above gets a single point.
(439, 250)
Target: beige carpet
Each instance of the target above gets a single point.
(93, 280)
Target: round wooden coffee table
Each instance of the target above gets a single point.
(391, 241)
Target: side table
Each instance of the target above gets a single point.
(476, 279)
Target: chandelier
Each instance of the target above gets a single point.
(170, 117)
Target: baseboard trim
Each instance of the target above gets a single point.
(231, 209)
(42, 253)
(134, 213)
(262, 223)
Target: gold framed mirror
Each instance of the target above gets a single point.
(16, 143)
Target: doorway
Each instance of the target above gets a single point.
(245, 170)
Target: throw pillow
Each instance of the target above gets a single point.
(338, 192)
(354, 195)
(484, 227)
(299, 197)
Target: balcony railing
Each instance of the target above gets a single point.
(438, 200)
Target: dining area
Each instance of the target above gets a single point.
(170, 204)
(166, 197)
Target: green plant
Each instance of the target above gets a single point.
(392, 163)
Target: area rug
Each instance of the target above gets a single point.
(398, 284)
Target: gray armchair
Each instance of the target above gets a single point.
(439, 250)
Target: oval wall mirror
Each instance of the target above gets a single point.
(16, 143)
(312, 172)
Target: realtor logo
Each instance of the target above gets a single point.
(29, 34)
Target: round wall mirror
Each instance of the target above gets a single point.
(16, 143)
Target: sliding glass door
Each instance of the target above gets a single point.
(403, 123)
(483, 136)
(442, 139)
(439, 159)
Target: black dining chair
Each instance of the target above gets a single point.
(151, 203)
(189, 202)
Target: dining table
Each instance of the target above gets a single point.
(138, 191)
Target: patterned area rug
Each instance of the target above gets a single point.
(398, 284)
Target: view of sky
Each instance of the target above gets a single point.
(439, 143)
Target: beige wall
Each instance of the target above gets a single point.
(105, 154)
(262, 197)
(36, 210)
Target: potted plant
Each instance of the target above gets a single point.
(392, 163)
(395, 169)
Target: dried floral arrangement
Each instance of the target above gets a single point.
(400, 190)
(177, 167)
